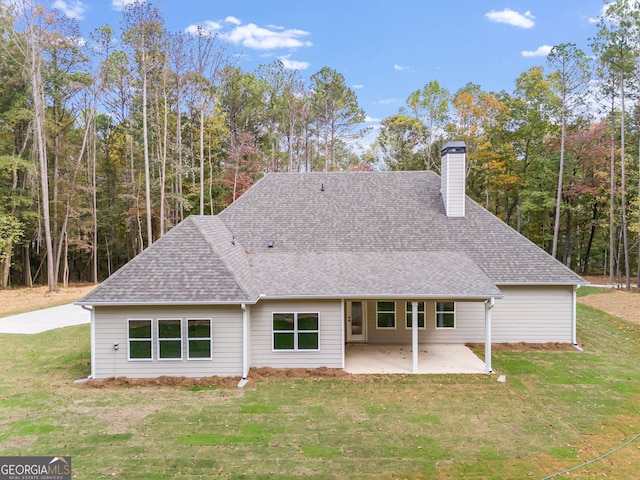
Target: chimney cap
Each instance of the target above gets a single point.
(454, 147)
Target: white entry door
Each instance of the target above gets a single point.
(356, 324)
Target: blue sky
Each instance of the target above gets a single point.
(385, 49)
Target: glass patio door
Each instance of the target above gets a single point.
(356, 324)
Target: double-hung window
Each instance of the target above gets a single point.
(139, 339)
(199, 338)
(170, 339)
(445, 315)
(409, 310)
(386, 315)
(296, 331)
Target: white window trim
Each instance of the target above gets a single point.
(295, 332)
(395, 315)
(424, 315)
(455, 316)
(210, 338)
(158, 340)
(129, 339)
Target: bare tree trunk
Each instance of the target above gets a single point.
(6, 266)
(556, 225)
(134, 186)
(178, 164)
(94, 195)
(147, 174)
(612, 189)
(27, 279)
(202, 162)
(65, 271)
(35, 71)
(638, 256)
(623, 190)
(163, 168)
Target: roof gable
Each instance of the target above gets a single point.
(184, 266)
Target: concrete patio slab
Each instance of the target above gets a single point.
(45, 319)
(440, 358)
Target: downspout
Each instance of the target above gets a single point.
(574, 338)
(414, 335)
(488, 305)
(93, 340)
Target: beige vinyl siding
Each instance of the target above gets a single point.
(330, 335)
(111, 326)
(469, 325)
(533, 314)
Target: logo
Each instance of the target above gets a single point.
(35, 468)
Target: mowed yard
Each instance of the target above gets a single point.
(557, 409)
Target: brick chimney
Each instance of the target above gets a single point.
(453, 178)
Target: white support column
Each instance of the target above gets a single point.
(245, 341)
(488, 305)
(574, 337)
(343, 329)
(414, 335)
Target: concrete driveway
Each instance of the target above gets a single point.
(45, 319)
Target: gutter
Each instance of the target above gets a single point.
(245, 346)
(384, 296)
(162, 303)
(574, 322)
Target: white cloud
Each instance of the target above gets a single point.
(205, 28)
(120, 4)
(234, 20)
(369, 119)
(387, 101)
(271, 37)
(400, 68)
(72, 8)
(512, 17)
(542, 51)
(603, 13)
(259, 38)
(357, 86)
(293, 64)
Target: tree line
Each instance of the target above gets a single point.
(108, 141)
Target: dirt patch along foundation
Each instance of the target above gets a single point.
(255, 374)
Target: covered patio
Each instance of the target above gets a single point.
(432, 358)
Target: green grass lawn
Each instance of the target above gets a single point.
(557, 409)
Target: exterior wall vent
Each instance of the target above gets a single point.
(453, 178)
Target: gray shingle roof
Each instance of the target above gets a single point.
(371, 274)
(382, 212)
(334, 234)
(184, 266)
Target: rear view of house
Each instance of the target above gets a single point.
(304, 264)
